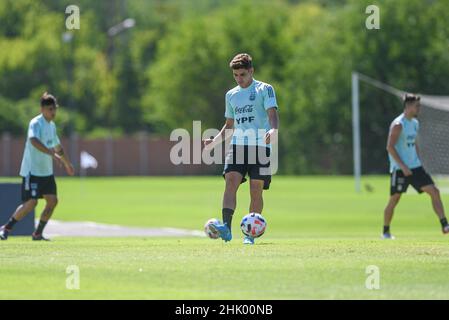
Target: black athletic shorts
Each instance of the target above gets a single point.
(251, 160)
(399, 183)
(36, 187)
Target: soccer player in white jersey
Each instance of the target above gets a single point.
(405, 165)
(252, 120)
(41, 148)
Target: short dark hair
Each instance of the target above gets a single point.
(410, 97)
(241, 61)
(48, 100)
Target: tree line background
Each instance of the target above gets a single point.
(172, 68)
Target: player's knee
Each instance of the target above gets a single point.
(431, 190)
(52, 203)
(254, 184)
(434, 192)
(32, 203)
(256, 190)
(395, 198)
(232, 183)
(231, 188)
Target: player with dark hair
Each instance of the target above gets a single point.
(41, 148)
(251, 109)
(405, 164)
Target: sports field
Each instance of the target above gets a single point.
(320, 239)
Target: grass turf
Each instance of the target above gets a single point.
(320, 239)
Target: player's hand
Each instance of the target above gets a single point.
(407, 172)
(57, 158)
(271, 135)
(70, 169)
(208, 144)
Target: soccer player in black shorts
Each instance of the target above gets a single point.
(38, 181)
(252, 121)
(406, 167)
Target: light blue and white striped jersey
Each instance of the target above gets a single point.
(248, 107)
(405, 146)
(35, 162)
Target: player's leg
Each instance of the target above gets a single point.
(234, 174)
(423, 182)
(256, 190)
(21, 212)
(388, 214)
(259, 178)
(437, 205)
(30, 196)
(398, 185)
(233, 180)
(48, 190)
(259, 181)
(50, 205)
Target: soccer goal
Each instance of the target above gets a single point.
(433, 137)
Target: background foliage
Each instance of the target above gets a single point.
(172, 68)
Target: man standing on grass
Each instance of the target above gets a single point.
(251, 109)
(405, 165)
(41, 148)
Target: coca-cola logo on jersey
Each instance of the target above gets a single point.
(244, 109)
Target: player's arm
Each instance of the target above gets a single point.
(392, 140)
(34, 134)
(42, 148)
(50, 151)
(273, 118)
(224, 134)
(417, 151)
(67, 164)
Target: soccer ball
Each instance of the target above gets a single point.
(253, 225)
(209, 231)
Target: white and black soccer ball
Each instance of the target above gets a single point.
(253, 225)
(209, 231)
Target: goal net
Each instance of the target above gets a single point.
(433, 136)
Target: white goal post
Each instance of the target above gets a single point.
(434, 132)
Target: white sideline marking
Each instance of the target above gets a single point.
(444, 190)
(56, 228)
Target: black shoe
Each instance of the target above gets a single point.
(4, 233)
(446, 229)
(39, 237)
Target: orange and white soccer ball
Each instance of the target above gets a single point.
(253, 225)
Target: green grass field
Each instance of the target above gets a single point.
(321, 237)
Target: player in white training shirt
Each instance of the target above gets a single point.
(252, 117)
(405, 164)
(38, 181)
